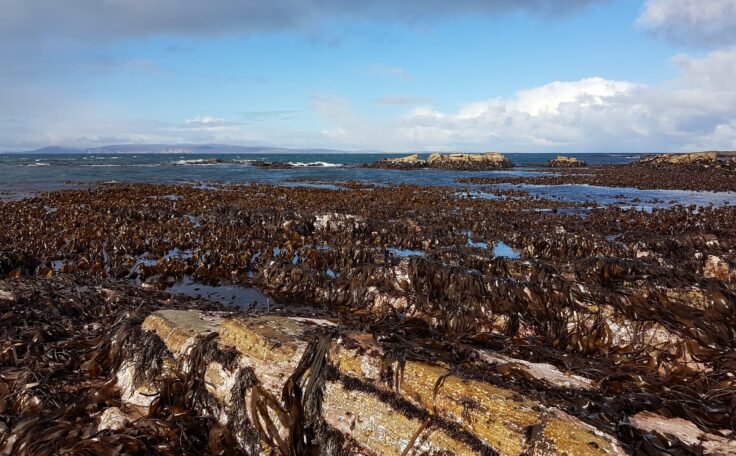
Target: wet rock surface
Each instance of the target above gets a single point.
(594, 320)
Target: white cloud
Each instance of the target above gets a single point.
(695, 111)
(397, 100)
(701, 22)
(392, 71)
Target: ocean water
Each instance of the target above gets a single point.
(22, 175)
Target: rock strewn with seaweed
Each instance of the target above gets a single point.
(618, 308)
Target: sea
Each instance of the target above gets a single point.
(24, 174)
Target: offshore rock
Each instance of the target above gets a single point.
(694, 158)
(370, 402)
(566, 162)
(469, 162)
(459, 162)
(409, 162)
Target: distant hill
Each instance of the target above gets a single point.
(181, 149)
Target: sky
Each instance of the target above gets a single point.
(385, 75)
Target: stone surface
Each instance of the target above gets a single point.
(686, 432)
(539, 371)
(716, 267)
(466, 415)
(114, 419)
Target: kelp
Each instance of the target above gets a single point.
(621, 297)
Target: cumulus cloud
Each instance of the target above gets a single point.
(697, 110)
(699, 22)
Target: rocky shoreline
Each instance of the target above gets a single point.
(439, 322)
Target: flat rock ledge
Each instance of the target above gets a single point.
(289, 374)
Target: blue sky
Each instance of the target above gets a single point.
(594, 75)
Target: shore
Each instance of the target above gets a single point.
(634, 310)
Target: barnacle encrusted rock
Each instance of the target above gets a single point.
(423, 407)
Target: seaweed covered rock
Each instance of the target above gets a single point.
(562, 161)
(469, 162)
(304, 386)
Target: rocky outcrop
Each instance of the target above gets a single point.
(469, 162)
(460, 162)
(566, 162)
(694, 158)
(349, 392)
(409, 162)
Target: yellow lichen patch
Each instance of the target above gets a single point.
(376, 425)
(575, 438)
(178, 329)
(265, 338)
(497, 416)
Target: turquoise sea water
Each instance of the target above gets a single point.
(22, 175)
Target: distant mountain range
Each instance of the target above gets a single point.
(182, 149)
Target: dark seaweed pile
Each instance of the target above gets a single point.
(719, 177)
(643, 304)
(61, 341)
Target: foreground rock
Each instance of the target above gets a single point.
(566, 162)
(350, 393)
